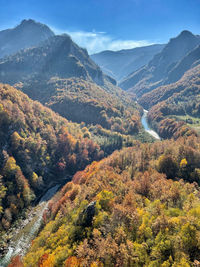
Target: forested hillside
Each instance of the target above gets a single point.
(84, 101)
(185, 90)
(37, 149)
(175, 108)
(138, 207)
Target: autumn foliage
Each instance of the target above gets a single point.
(138, 207)
(37, 149)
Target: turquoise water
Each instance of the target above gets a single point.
(144, 121)
(146, 126)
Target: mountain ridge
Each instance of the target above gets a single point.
(27, 34)
(155, 72)
(120, 63)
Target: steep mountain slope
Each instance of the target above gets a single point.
(186, 87)
(38, 148)
(189, 61)
(57, 56)
(163, 68)
(27, 34)
(119, 64)
(126, 210)
(61, 75)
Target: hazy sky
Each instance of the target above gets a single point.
(108, 24)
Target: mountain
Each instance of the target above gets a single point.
(189, 61)
(119, 64)
(185, 87)
(61, 75)
(163, 67)
(137, 207)
(27, 34)
(58, 56)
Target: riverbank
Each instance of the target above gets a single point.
(25, 231)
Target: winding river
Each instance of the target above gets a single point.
(22, 238)
(146, 126)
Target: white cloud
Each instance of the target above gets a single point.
(98, 41)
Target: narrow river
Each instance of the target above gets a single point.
(22, 238)
(146, 126)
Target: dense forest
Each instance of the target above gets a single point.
(138, 207)
(36, 144)
(40, 149)
(89, 103)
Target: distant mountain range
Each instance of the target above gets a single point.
(118, 64)
(27, 34)
(166, 67)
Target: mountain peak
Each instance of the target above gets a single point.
(186, 33)
(27, 34)
(28, 21)
(160, 67)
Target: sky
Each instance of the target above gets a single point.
(107, 24)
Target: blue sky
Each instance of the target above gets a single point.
(108, 24)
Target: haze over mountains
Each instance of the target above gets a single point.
(118, 64)
(164, 67)
(58, 56)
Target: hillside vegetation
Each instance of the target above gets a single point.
(37, 149)
(138, 207)
(83, 101)
(175, 109)
(185, 90)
